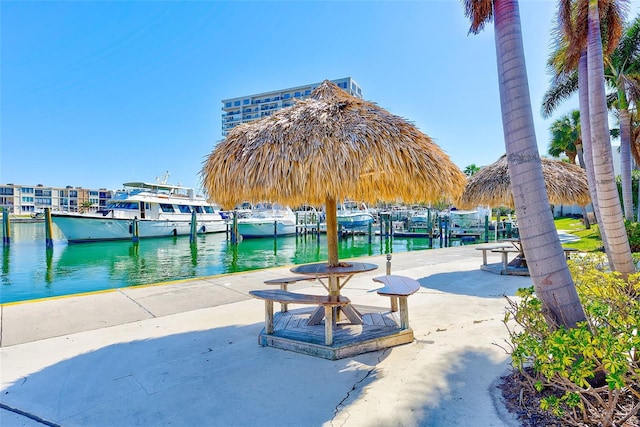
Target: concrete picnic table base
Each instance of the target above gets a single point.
(498, 268)
(380, 329)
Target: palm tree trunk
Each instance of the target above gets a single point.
(583, 94)
(638, 199)
(585, 134)
(585, 216)
(547, 265)
(625, 162)
(611, 220)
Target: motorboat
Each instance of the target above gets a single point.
(420, 216)
(469, 218)
(157, 209)
(354, 215)
(268, 220)
(243, 210)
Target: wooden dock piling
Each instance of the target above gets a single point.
(193, 231)
(136, 231)
(48, 225)
(486, 228)
(6, 227)
(234, 228)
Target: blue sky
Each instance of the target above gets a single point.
(95, 94)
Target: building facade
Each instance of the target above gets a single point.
(28, 199)
(248, 108)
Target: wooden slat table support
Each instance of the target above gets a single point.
(338, 276)
(398, 288)
(278, 295)
(284, 282)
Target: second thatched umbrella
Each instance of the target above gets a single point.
(324, 149)
(566, 184)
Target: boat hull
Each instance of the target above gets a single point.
(420, 219)
(83, 228)
(255, 229)
(355, 220)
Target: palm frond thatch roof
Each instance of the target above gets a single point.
(566, 184)
(329, 145)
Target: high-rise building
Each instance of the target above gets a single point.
(244, 109)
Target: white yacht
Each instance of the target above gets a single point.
(268, 220)
(354, 215)
(160, 210)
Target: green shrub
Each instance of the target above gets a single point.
(633, 232)
(588, 374)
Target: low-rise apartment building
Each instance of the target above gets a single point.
(27, 199)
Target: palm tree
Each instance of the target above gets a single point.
(635, 142)
(579, 30)
(621, 74)
(85, 206)
(471, 170)
(547, 265)
(624, 68)
(619, 251)
(570, 75)
(565, 136)
(566, 139)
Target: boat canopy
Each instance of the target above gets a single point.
(155, 186)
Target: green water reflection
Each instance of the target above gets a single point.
(30, 271)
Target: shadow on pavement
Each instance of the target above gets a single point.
(219, 376)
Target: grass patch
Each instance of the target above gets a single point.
(569, 224)
(589, 239)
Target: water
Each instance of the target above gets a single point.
(29, 271)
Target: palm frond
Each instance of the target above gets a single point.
(632, 84)
(480, 12)
(570, 33)
(565, 18)
(612, 19)
(628, 49)
(562, 87)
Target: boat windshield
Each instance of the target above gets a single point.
(123, 205)
(353, 206)
(184, 208)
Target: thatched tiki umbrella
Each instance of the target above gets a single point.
(324, 149)
(566, 184)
